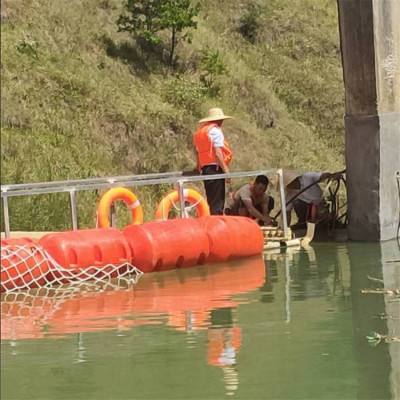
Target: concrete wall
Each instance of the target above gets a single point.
(370, 44)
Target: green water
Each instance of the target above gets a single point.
(293, 326)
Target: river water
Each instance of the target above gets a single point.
(291, 326)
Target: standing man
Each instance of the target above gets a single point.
(213, 157)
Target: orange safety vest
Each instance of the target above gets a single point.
(205, 148)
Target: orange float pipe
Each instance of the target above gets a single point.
(160, 246)
(22, 264)
(81, 249)
(232, 237)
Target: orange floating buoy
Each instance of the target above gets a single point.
(172, 200)
(160, 246)
(232, 237)
(118, 193)
(22, 264)
(95, 251)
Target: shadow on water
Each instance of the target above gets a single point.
(292, 326)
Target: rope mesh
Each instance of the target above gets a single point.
(26, 314)
(30, 266)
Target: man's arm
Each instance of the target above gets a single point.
(255, 213)
(221, 162)
(324, 176)
(197, 160)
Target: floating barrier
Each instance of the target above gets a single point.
(232, 237)
(103, 253)
(22, 264)
(171, 200)
(87, 251)
(118, 193)
(160, 246)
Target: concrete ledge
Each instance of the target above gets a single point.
(32, 235)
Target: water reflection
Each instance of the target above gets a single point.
(379, 367)
(186, 300)
(286, 327)
(182, 299)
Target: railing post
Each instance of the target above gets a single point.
(181, 199)
(6, 217)
(283, 203)
(113, 216)
(73, 209)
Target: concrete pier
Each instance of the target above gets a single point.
(370, 45)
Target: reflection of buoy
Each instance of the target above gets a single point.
(186, 295)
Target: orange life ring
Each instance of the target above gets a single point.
(172, 199)
(118, 193)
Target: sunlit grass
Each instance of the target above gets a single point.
(81, 100)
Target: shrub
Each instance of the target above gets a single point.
(249, 22)
(28, 47)
(211, 67)
(148, 17)
(184, 93)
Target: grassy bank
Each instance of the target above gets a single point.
(81, 100)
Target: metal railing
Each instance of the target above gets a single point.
(72, 186)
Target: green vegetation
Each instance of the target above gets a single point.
(250, 22)
(80, 99)
(147, 17)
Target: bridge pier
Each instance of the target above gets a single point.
(370, 46)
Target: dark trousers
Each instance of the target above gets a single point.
(302, 210)
(215, 190)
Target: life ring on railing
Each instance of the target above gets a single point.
(172, 200)
(118, 193)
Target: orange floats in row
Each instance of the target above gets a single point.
(155, 246)
(172, 200)
(118, 193)
(22, 264)
(158, 246)
(232, 237)
(78, 250)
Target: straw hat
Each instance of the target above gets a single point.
(215, 114)
(289, 175)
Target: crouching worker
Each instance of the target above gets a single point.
(251, 200)
(306, 197)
